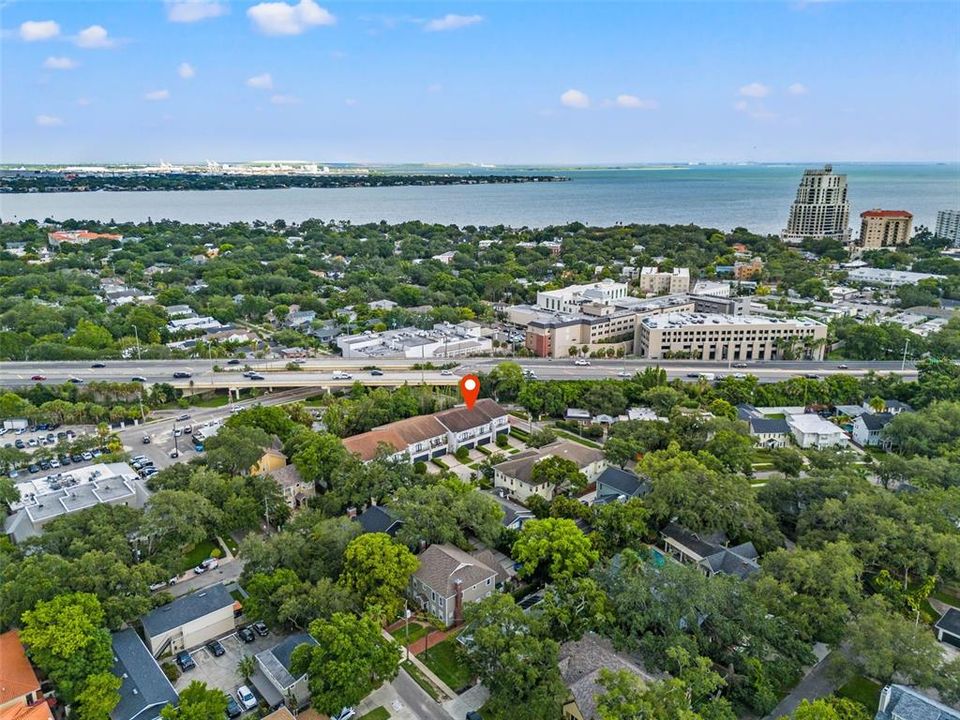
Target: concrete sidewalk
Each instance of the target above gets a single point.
(431, 676)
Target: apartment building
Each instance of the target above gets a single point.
(654, 282)
(703, 336)
(884, 228)
(948, 226)
(821, 208)
(748, 269)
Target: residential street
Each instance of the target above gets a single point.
(405, 700)
(818, 683)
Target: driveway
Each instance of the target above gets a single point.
(818, 683)
(472, 699)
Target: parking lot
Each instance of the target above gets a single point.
(221, 672)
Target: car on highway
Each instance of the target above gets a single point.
(739, 365)
(97, 366)
(215, 648)
(233, 361)
(260, 629)
(446, 373)
(740, 376)
(75, 380)
(376, 373)
(183, 417)
(340, 375)
(581, 362)
(181, 375)
(233, 709)
(246, 698)
(138, 378)
(39, 377)
(623, 374)
(185, 661)
(246, 634)
(812, 376)
(255, 376)
(842, 366)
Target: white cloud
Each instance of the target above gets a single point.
(754, 109)
(186, 70)
(263, 81)
(635, 103)
(434, 88)
(59, 63)
(48, 120)
(798, 89)
(280, 18)
(284, 100)
(755, 90)
(350, 102)
(575, 99)
(83, 102)
(93, 38)
(155, 95)
(452, 22)
(741, 105)
(189, 11)
(34, 30)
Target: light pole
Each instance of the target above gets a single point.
(136, 334)
(903, 363)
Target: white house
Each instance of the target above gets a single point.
(868, 429)
(812, 431)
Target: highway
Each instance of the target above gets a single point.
(318, 372)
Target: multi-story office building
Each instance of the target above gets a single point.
(948, 226)
(652, 281)
(884, 228)
(571, 299)
(821, 208)
(703, 336)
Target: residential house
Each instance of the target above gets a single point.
(272, 460)
(189, 621)
(430, 436)
(382, 305)
(274, 678)
(580, 663)
(868, 430)
(812, 431)
(618, 484)
(948, 627)
(300, 318)
(899, 702)
(281, 713)
(447, 579)
(894, 407)
(769, 432)
(19, 686)
(379, 519)
(515, 475)
(709, 553)
(144, 688)
(577, 415)
(295, 489)
(514, 514)
(40, 711)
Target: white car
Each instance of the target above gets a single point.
(446, 372)
(581, 362)
(246, 698)
(623, 374)
(348, 713)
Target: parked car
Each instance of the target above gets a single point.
(474, 715)
(260, 629)
(185, 661)
(183, 417)
(246, 634)
(146, 439)
(77, 458)
(246, 698)
(348, 713)
(34, 468)
(233, 709)
(216, 648)
(187, 429)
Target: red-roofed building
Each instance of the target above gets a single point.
(19, 686)
(884, 228)
(78, 237)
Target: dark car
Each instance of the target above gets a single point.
(233, 707)
(34, 468)
(246, 634)
(474, 715)
(376, 372)
(138, 378)
(65, 460)
(75, 381)
(234, 361)
(812, 376)
(98, 366)
(19, 444)
(739, 365)
(78, 458)
(260, 629)
(216, 648)
(180, 374)
(185, 661)
(183, 417)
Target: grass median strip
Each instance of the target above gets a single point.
(420, 679)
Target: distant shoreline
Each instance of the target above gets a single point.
(27, 183)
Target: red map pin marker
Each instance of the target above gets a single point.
(470, 389)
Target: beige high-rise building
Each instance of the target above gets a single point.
(668, 282)
(821, 208)
(885, 228)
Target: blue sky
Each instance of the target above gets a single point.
(458, 81)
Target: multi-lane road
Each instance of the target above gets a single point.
(318, 372)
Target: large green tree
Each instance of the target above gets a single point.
(377, 570)
(553, 548)
(197, 702)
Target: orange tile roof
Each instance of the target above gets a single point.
(17, 677)
(40, 711)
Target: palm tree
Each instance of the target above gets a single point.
(246, 667)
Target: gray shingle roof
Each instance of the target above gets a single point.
(950, 622)
(441, 566)
(144, 689)
(520, 466)
(378, 519)
(623, 482)
(769, 426)
(461, 419)
(876, 421)
(898, 702)
(186, 608)
(580, 662)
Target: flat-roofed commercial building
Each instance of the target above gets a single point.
(652, 281)
(884, 228)
(569, 299)
(703, 336)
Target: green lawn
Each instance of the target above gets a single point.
(863, 690)
(421, 679)
(231, 543)
(948, 595)
(416, 632)
(576, 438)
(442, 659)
(215, 401)
(380, 713)
(200, 552)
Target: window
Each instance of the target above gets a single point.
(489, 580)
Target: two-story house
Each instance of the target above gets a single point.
(868, 430)
(517, 476)
(447, 579)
